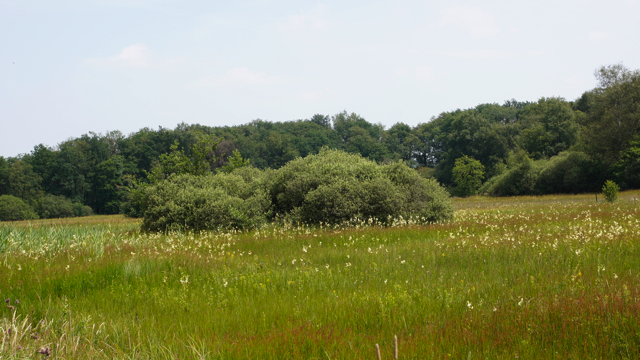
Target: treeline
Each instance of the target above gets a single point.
(548, 146)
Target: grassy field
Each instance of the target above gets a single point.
(554, 277)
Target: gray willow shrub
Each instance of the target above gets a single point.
(192, 202)
(334, 186)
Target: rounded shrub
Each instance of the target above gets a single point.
(13, 208)
(206, 202)
(52, 206)
(334, 186)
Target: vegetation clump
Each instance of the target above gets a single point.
(330, 187)
(334, 186)
(13, 208)
(221, 201)
(467, 175)
(610, 191)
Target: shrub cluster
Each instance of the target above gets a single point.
(568, 172)
(329, 187)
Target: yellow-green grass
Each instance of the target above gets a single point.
(528, 277)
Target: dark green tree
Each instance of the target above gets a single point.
(467, 175)
(614, 116)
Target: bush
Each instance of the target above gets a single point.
(569, 172)
(467, 174)
(519, 180)
(52, 206)
(221, 201)
(82, 210)
(13, 209)
(610, 191)
(335, 186)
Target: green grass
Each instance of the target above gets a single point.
(530, 277)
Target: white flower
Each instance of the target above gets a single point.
(469, 305)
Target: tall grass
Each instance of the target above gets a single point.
(539, 277)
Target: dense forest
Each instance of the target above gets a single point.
(548, 146)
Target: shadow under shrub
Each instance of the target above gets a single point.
(334, 186)
(206, 202)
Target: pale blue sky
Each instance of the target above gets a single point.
(69, 67)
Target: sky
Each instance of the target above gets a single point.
(68, 67)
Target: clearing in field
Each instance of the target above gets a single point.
(528, 278)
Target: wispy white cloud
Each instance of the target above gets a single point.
(597, 35)
(239, 76)
(137, 55)
(477, 22)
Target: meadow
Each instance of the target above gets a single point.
(553, 277)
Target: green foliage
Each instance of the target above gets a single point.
(467, 175)
(334, 186)
(220, 201)
(614, 118)
(519, 180)
(52, 206)
(551, 127)
(569, 172)
(627, 168)
(198, 162)
(235, 162)
(13, 208)
(610, 191)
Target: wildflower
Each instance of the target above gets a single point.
(469, 305)
(17, 301)
(44, 351)
(7, 300)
